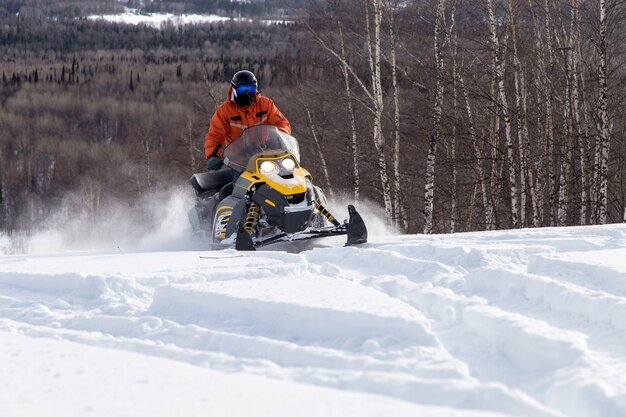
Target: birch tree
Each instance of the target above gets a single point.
(452, 147)
(374, 52)
(400, 219)
(349, 100)
(521, 117)
(374, 93)
(318, 147)
(436, 128)
(545, 46)
(576, 110)
(604, 134)
(481, 177)
(499, 79)
(566, 146)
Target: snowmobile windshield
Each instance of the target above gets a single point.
(256, 141)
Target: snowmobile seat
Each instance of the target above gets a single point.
(211, 181)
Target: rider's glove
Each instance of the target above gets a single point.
(214, 163)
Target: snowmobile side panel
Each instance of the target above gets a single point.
(238, 216)
(280, 213)
(271, 201)
(223, 215)
(242, 185)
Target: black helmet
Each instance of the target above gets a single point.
(244, 87)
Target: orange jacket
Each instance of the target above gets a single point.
(230, 120)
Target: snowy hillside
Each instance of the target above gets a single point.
(512, 323)
(136, 17)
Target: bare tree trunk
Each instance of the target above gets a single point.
(521, 117)
(499, 75)
(480, 176)
(4, 212)
(470, 207)
(147, 148)
(589, 147)
(454, 205)
(602, 152)
(193, 151)
(401, 219)
(545, 71)
(530, 167)
(375, 96)
(353, 142)
(565, 163)
(494, 139)
(318, 146)
(436, 130)
(576, 65)
(374, 52)
(538, 168)
(564, 176)
(452, 157)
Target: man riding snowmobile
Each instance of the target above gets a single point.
(262, 195)
(244, 107)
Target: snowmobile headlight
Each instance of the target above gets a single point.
(289, 164)
(267, 167)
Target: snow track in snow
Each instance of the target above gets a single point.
(517, 323)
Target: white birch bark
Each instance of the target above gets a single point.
(480, 176)
(545, 71)
(564, 176)
(494, 139)
(399, 211)
(193, 151)
(499, 75)
(576, 66)
(4, 206)
(318, 146)
(453, 208)
(521, 118)
(146, 144)
(531, 168)
(436, 129)
(589, 151)
(353, 134)
(602, 153)
(374, 96)
(374, 49)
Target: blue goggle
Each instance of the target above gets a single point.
(245, 88)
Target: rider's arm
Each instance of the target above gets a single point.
(276, 118)
(216, 136)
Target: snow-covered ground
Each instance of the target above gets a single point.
(135, 17)
(510, 323)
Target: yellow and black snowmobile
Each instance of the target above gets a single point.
(263, 195)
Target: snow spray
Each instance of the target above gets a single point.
(156, 221)
(373, 215)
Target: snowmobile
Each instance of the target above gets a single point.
(263, 196)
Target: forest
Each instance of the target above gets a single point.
(450, 115)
